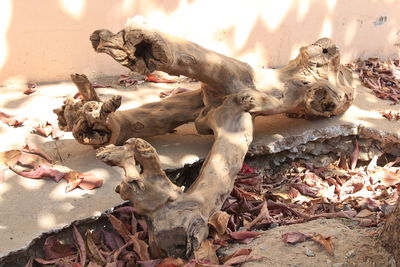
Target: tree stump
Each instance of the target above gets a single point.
(390, 234)
(232, 93)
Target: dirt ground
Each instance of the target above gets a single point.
(353, 246)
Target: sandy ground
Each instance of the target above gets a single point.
(353, 246)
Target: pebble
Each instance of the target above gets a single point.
(337, 264)
(350, 254)
(309, 252)
(273, 225)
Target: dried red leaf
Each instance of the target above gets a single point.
(31, 147)
(80, 244)
(242, 259)
(246, 169)
(112, 240)
(294, 237)
(262, 216)
(58, 261)
(242, 235)
(32, 161)
(11, 120)
(155, 79)
(354, 155)
(78, 95)
(90, 181)
(41, 173)
(32, 87)
(126, 209)
(85, 181)
(172, 92)
(207, 252)
(390, 116)
(9, 158)
(94, 251)
(127, 81)
(149, 263)
(385, 177)
(54, 249)
(99, 85)
(219, 221)
(306, 190)
(171, 262)
(239, 252)
(325, 241)
(119, 227)
(141, 248)
(56, 133)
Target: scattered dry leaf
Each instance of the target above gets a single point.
(41, 172)
(326, 242)
(354, 155)
(172, 92)
(294, 237)
(32, 87)
(219, 220)
(155, 79)
(10, 120)
(207, 252)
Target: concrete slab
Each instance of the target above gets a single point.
(30, 207)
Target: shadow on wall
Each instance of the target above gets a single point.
(47, 40)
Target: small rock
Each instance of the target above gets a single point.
(337, 264)
(392, 262)
(350, 254)
(309, 252)
(273, 225)
(328, 262)
(387, 209)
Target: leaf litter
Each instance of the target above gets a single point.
(31, 162)
(360, 194)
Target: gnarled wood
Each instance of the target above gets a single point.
(179, 220)
(314, 84)
(98, 123)
(390, 234)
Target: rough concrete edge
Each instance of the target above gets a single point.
(58, 230)
(346, 129)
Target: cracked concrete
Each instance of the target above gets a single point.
(30, 207)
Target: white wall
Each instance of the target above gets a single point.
(46, 40)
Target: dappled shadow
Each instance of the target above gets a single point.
(34, 54)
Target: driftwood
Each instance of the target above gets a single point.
(390, 234)
(232, 93)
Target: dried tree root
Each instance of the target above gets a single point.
(390, 234)
(314, 84)
(179, 220)
(97, 123)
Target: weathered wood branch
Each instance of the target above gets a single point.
(314, 84)
(390, 234)
(179, 220)
(97, 123)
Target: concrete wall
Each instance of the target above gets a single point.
(46, 40)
